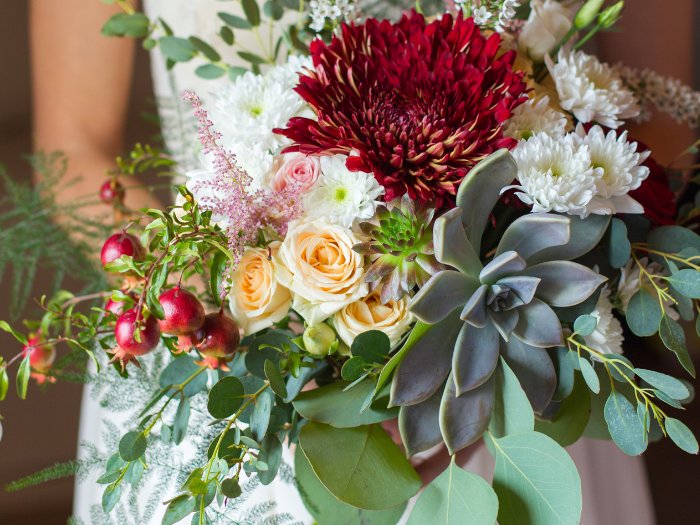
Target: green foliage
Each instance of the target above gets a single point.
(569, 422)
(626, 429)
(225, 397)
(56, 471)
(512, 412)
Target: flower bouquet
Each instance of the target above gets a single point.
(436, 219)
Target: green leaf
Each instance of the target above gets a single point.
(564, 363)
(23, 373)
(227, 35)
(205, 49)
(334, 406)
(234, 21)
(132, 446)
(216, 272)
(260, 418)
(620, 248)
(326, 508)
(373, 346)
(567, 426)
(512, 412)
(671, 386)
(419, 330)
(180, 370)
(4, 383)
(589, 374)
(536, 481)
(672, 239)
(225, 397)
(370, 473)
(110, 497)
(673, 338)
(230, 488)
(353, 368)
(626, 430)
(643, 313)
(134, 25)
(178, 508)
(687, 282)
(4, 326)
(273, 10)
(252, 12)
(252, 57)
(271, 455)
(585, 325)
(182, 418)
(210, 71)
(176, 48)
(274, 376)
(681, 435)
(456, 497)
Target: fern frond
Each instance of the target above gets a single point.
(57, 471)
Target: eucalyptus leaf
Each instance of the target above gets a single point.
(234, 21)
(182, 417)
(561, 357)
(589, 374)
(620, 247)
(225, 397)
(585, 325)
(681, 435)
(643, 313)
(570, 420)
(110, 497)
(271, 455)
(687, 282)
(274, 376)
(512, 412)
(671, 386)
(626, 430)
(180, 370)
(373, 346)
(673, 337)
(252, 12)
(210, 71)
(132, 446)
(177, 49)
(178, 508)
(23, 373)
(260, 418)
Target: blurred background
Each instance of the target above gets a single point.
(43, 430)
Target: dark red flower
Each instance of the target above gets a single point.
(417, 104)
(655, 194)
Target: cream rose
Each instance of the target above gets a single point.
(257, 300)
(295, 169)
(392, 318)
(317, 263)
(547, 24)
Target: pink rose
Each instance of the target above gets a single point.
(295, 169)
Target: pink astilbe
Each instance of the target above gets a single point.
(228, 194)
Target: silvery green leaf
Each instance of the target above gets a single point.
(565, 373)
(463, 419)
(505, 321)
(411, 383)
(523, 286)
(585, 325)
(443, 293)
(673, 387)
(534, 369)
(673, 337)
(419, 424)
(672, 239)
(564, 283)
(626, 430)
(589, 374)
(538, 325)
(681, 435)
(643, 313)
(620, 248)
(474, 311)
(475, 356)
(570, 420)
(586, 234)
(531, 234)
(512, 412)
(451, 244)
(507, 263)
(687, 282)
(684, 305)
(480, 191)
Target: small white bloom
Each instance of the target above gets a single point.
(547, 24)
(506, 14)
(631, 281)
(481, 15)
(555, 174)
(607, 337)
(334, 10)
(591, 90)
(535, 116)
(341, 196)
(620, 170)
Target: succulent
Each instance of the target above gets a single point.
(472, 314)
(402, 242)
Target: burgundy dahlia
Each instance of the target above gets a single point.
(417, 104)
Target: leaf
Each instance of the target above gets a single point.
(132, 446)
(681, 435)
(536, 482)
(475, 356)
(419, 425)
(204, 48)
(464, 419)
(417, 333)
(23, 373)
(371, 473)
(620, 248)
(176, 48)
(210, 71)
(687, 282)
(180, 370)
(563, 363)
(230, 488)
(225, 397)
(260, 418)
(134, 25)
(110, 497)
(234, 21)
(252, 12)
(672, 239)
(585, 325)
(534, 233)
(456, 497)
(353, 368)
(178, 508)
(274, 376)
(643, 313)
(327, 509)
(589, 374)
(512, 412)
(570, 421)
(373, 346)
(182, 418)
(4, 326)
(673, 337)
(626, 430)
(333, 405)
(535, 371)
(4, 383)
(671, 386)
(271, 455)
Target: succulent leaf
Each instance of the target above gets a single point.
(531, 234)
(586, 234)
(442, 294)
(507, 263)
(538, 325)
(535, 371)
(419, 424)
(452, 246)
(565, 283)
(475, 356)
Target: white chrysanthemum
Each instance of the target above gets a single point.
(607, 337)
(591, 90)
(535, 116)
(620, 170)
(554, 174)
(630, 282)
(340, 195)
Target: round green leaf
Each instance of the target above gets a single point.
(132, 446)
(353, 368)
(260, 418)
(210, 71)
(178, 508)
(568, 424)
(274, 376)
(643, 313)
(369, 471)
(687, 282)
(626, 429)
(672, 387)
(620, 248)
(271, 455)
(585, 325)
(110, 497)
(225, 397)
(681, 435)
(176, 48)
(373, 346)
(179, 371)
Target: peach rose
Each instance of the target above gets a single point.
(317, 263)
(392, 318)
(257, 300)
(295, 169)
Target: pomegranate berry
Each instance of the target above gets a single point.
(112, 192)
(218, 339)
(183, 313)
(119, 244)
(41, 358)
(116, 307)
(128, 347)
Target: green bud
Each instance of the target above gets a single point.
(611, 15)
(586, 15)
(319, 340)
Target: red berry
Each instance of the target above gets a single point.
(219, 337)
(121, 244)
(183, 313)
(116, 307)
(112, 191)
(41, 357)
(124, 331)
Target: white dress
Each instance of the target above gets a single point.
(615, 487)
